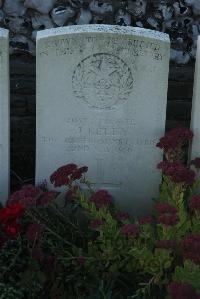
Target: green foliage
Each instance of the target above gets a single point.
(11, 292)
(85, 250)
(189, 273)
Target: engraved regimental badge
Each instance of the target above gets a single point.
(102, 81)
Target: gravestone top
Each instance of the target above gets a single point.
(4, 32)
(112, 29)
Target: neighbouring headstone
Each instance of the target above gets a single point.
(4, 116)
(101, 102)
(195, 117)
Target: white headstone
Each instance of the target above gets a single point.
(4, 116)
(101, 102)
(195, 118)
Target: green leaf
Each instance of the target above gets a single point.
(189, 273)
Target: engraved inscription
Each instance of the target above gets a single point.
(71, 46)
(102, 80)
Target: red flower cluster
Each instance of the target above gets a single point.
(167, 244)
(9, 219)
(96, 223)
(30, 196)
(122, 216)
(177, 172)
(130, 230)
(191, 248)
(168, 219)
(77, 175)
(26, 196)
(12, 229)
(179, 290)
(195, 202)
(175, 138)
(146, 220)
(167, 214)
(11, 212)
(164, 207)
(101, 198)
(196, 162)
(66, 174)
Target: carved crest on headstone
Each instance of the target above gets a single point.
(102, 80)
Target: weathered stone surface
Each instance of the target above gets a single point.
(84, 17)
(17, 25)
(14, 8)
(100, 9)
(4, 116)
(137, 7)
(101, 102)
(195, 4)
(41, 22)
(41, 6)
(20, 43)
(61, 14)
(195, 117)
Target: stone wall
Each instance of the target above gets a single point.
(180, 18)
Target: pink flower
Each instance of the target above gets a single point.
(167, 244)
(96, 223)
(146, 220)
(195, 202)
(164, 207)
(168, 219)
(177, 172)
(77, 174)
(191, 248)
(28, 202)
(180, 290)
(66, 174)
(164, 165)
(121, 216)
(130, 230)
(60, 177)
(12, 229)
(26, 195)
(101, 198)
(175, 138)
